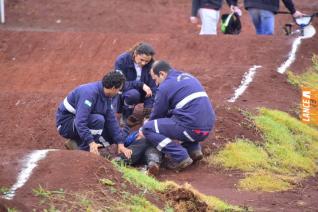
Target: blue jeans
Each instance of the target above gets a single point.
(263, 20)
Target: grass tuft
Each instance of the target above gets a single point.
(287, 155)
(151, 184)
(139, 203)
(213, 202)
(265, 182)
(308, 79)
(242, 154)
(140, 179)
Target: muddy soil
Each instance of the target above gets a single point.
(49, 47)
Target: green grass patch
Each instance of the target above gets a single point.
(217, 204)
(308, 79)
(152, 185)
(4, 190)
(289, 142)
(265, 182)
(140, 179)
(91, 200)
(287, 155)
(242, 154)
(139, 203)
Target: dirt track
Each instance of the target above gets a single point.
(48, 48)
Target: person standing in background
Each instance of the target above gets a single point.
(262, 13)
(209, 13)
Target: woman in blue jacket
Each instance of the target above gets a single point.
(135, 64)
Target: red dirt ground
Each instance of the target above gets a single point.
(49, 47)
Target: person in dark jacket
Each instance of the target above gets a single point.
(140, 87)
(209, 13)
(142, 152)
(262, 13)
(182, 111)
(86, 115)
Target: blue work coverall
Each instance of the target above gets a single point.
(182, 111)
(133, 93)
(86, 115)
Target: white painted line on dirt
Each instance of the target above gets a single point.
(2, 11)
(247, 79)
(291, 57)
(29, 163)
(309, 32)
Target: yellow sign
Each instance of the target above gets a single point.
(309, 106)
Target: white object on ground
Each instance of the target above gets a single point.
(247, 79)
(309, 31)
(2, 11)
(29, 163)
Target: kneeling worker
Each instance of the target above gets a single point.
(182, 111)
(86, 115)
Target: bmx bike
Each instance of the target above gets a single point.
(301, 22)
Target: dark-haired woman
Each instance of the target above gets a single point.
(135, 64)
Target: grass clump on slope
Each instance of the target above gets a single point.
(170, 189)
(309, 79)
(287, 155)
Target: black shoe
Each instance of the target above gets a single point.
(181, 165)
(196, 155)
(153, 168)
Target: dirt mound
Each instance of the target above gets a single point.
(184, 200)
(49, 47)
(10, 204)
(73, 172)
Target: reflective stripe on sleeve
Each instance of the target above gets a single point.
(189, 98)
(68, 106)
(96, 132)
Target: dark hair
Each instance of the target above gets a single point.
(143, 48)
(160, 65)
(113, 79)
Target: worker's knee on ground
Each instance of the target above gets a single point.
(132, 97)
(152, 154)
(96, 121)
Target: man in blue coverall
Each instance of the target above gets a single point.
(87, 117)
(182, 111)
(140, 87)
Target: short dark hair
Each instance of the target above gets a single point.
(113, 79)
(143, 48)
(160, 65)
